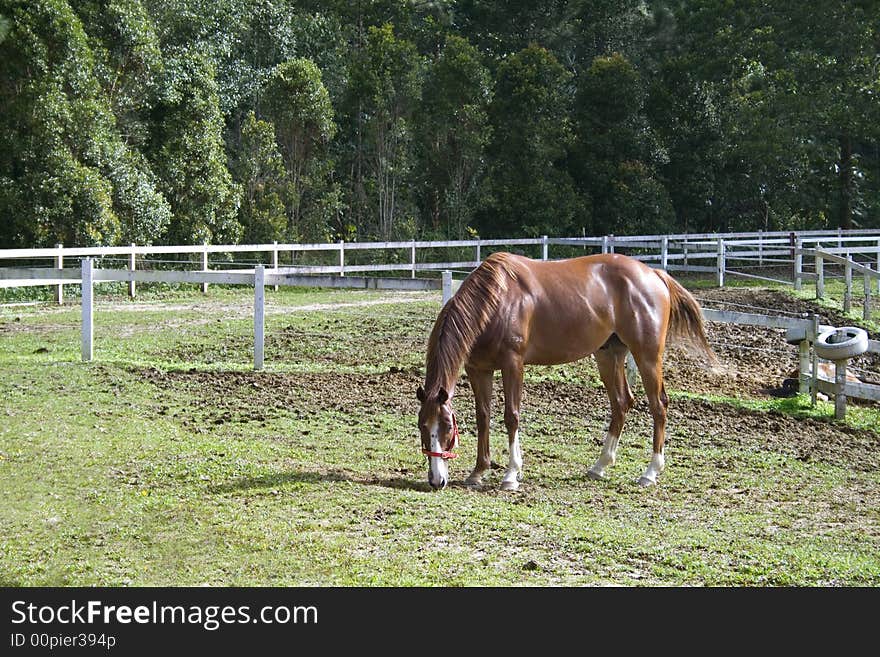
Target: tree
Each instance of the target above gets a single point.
(66, 173)
(453, 129)
(615, 153)
(190, 158)
(528, 189)
(260, 171)
(297, 102)
(386, 88)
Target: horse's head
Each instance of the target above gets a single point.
(439, 432)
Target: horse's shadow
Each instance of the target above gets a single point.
(278, 480)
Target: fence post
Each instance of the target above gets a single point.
(275, 258)
(88, 326)
(798, 264)
(413, 258)
(611, 243)
(878, 265)
(447, 285)
(543, 247)
(204, 265)
(604, 244)
(342, 257)
(820, 277)
(804, 362)
(722, 264)
(684, 251)
(760, 248)
(839, 394)
(814, 365)
(478, 251)
(866, 310)
(59, 264)
(259, 315)
(132, 258)
(847, 293)
(664, 252)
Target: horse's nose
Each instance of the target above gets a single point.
(438, 483)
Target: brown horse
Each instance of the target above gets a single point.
(513, 311)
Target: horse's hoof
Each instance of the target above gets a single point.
(509, 485)
(473, 482)
(595, 476)
(644, 482)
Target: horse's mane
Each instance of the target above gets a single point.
(464, 318)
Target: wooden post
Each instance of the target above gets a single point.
(814, 380)
(722, 264)
(804, 363)
(59, 264)
(760, 248)
(275, 259)
(820, 277)
(611, 243)
(798, 264)
(604, 244)
(342, 257)
(413, 258)
(88, 326)
(664, 252)
(684, 250)
(478, 251)
(544, 247)
(839, 395)
(631, 369)
(447, 286)
(866, 310)
(132, 258)
(259, 315)
(847, 293)
(205, 265)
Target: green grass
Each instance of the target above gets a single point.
(167, 461)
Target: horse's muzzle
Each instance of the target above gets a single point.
(438, 482)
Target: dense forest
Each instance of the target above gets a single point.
(184, 121)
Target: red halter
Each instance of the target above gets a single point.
(450, 454)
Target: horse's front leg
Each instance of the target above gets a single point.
(481, 384)
(512, 377)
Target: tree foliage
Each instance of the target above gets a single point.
(226, 120)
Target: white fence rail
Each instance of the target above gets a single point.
(787, 257)
(772, 256)
(259, 279)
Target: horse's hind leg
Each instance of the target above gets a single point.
(651, 370)
(481, 384)
(611, 360)
(512, 377)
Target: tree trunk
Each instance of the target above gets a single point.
(844, 218)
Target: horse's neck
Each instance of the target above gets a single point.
(437, 377)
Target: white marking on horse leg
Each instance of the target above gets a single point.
(438, 470)
(606, 459)
(513, 475)
(655, 467)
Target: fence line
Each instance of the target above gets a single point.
(747, 255)
(804, 330)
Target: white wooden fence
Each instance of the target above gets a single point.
(727, 254)
(760, 255)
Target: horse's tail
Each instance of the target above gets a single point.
(686, 318)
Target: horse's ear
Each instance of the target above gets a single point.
(442, 396)
(420, 393)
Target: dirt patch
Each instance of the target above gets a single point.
(753, 359)
(560, 406)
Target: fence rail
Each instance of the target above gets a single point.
(806, 329)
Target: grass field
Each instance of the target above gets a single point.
(167, 461)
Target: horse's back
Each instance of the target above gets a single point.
(564, 310)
